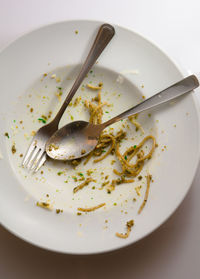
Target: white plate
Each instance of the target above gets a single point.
(145, 70)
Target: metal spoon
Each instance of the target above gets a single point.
(79, 138)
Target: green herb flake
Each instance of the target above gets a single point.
(93, 187)
(114, 203)
(66, 181)
(125, 157)
(14, 121)
(7, 135)
(72, 118)
(149, 114)
(81, 174)
(91, 72)
(135, 146)
(60, 88)
(106, 111)
(75, 178)
(121, 120)
(103, 151)
(59, 173)
(42, 120)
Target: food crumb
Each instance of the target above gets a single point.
(76, 32)
(53, 76)
(89, 172)
(13, 149)
(44, 205)
(137, 189)
(7, 135)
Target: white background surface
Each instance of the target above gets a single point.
(173, 251)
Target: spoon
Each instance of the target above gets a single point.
(79, 138)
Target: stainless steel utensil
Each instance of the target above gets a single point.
(36, 154)
(79, 138)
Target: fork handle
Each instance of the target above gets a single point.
(105, 34)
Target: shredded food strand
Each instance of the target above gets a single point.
(129, 225)
(146, 194)
(91, 208)
(82, 185)
(137, 125)
(129, 169)
(110, 144)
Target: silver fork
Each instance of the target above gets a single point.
(36, 154)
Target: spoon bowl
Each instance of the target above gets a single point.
(73, 141)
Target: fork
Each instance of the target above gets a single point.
(36, 154)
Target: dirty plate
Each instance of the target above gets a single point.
(36, 73)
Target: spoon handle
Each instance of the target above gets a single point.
(184, 86)
(105, 34)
